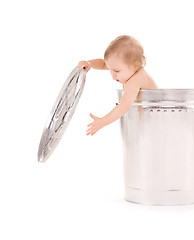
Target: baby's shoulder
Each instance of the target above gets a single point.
(146, 81)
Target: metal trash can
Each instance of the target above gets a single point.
(158, 145)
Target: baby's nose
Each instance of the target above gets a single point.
(112, 73)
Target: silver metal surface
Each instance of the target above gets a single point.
(158, 147)
(61, 113)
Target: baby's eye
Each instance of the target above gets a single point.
(116, 71)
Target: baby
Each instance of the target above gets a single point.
(125, 59)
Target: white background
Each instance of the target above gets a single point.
(79, 192)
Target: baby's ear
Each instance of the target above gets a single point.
(136, 65)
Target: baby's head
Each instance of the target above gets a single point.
(123, 57)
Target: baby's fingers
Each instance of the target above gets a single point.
(84, 65)
(89, 131)
(92, 132)
(90, 124)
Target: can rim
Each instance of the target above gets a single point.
(167, 96)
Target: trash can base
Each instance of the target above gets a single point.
(163, 198)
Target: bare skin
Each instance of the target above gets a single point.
(132, 78)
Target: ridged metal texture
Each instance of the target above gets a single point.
(61, 113)
(158, 145)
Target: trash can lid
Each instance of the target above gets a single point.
(61, 113)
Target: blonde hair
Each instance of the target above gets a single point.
(128, 48)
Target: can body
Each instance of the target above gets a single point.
(158, 147)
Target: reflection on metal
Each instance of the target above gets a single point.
(61, 113)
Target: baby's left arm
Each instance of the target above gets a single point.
(131, 89)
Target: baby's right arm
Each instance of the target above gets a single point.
(95, 63)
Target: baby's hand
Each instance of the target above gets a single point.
(96, 125)
(84, 65)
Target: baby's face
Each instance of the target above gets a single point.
(119, 70)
